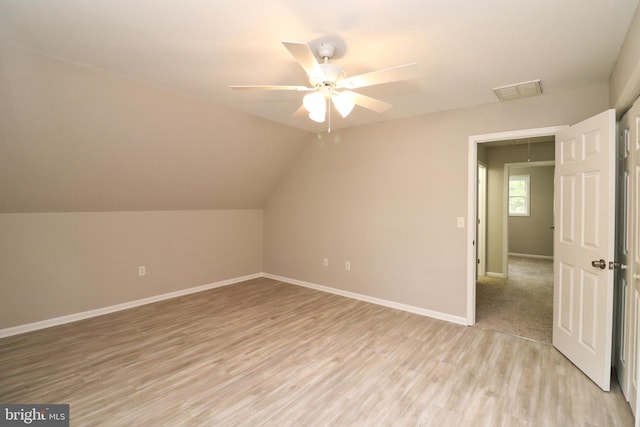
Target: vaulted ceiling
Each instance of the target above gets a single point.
(108, 105)
(463, 48)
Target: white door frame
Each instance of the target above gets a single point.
(482, 219)
(472, 214)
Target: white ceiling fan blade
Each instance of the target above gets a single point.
(401, 72)
(270, 87)
(366, 101)
(305, 57)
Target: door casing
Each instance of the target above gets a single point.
(482, 219)
(472, 214)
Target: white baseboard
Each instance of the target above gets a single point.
(531, 256)
(386, 303)
(43, 324)
(29, 327)
(498, 275)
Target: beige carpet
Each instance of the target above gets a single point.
(521, 305)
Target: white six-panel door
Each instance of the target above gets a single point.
(584, 243)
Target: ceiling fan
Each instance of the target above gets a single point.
(330, 83)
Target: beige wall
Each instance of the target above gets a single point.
(56, 264)
(532, 235)
(386, 196)
(73, 139)
(496, 159)
(624, 81)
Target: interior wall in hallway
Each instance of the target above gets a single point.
(532, 234)
(496, 159)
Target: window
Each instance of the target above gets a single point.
(519, 195)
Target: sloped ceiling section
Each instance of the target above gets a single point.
(76, 139)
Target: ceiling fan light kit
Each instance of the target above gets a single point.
(316, 104)
(328, 79)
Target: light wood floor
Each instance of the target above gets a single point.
(267, 353)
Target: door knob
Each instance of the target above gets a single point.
(601, 264)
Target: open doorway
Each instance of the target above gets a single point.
(523, 157)
(515, 293)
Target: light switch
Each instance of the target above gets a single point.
(460, 222)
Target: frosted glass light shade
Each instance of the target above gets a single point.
(316, 105)
(343, 104)
(317, 117)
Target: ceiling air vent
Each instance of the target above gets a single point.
(518, 90)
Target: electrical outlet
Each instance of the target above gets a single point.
(142, 270)
(325, 262)
(347, 265)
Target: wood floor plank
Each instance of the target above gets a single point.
(268, 353)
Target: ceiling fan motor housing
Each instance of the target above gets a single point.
(326, 50)
(333, 74)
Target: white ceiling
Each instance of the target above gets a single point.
(463, 48)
